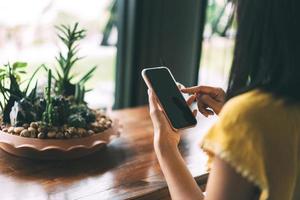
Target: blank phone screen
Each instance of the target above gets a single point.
(170, 97)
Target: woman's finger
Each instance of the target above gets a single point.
(202, 108)
(191, 99)
(209, 102)
(199, 89)
(180, 86)
(209, 112)
(195, 112)
(152, 101)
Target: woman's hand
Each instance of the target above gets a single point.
(180, 181)
(164, 135)
(210, 100)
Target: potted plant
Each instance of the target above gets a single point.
(60, 112)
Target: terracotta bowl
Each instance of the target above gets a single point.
(57, 149)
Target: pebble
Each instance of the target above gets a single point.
(67, 135)
(98, 129)
(51, 134)
(82, 132)
(32, 134)
(26, 125)
(34, 125)
(18, 130)
(25, 133)
(5, 129)
(42, 129)
(42, 135)
(10, 130)
(102, 120)
(59, 135)
(64, 128)
(72, 130)
(32, 130)
(91, 132)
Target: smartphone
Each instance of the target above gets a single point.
(171, 100)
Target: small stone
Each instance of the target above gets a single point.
(59, 135)
(51, 134)
(32, 134)
(82, 132)
(67, 135)
(26, 125)
(102, 120)
(25, 133)
(97, 129)
(2, 127)
(72, 130)
(41, 135)
(10, 130)
(108, 123)
(91, 132)
(34, 125)
(17, 130)
(65, 128)
(5, 129)
(32, 130)
(41, 129)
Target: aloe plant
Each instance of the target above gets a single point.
(70, 36)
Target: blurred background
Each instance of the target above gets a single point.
(194, 39)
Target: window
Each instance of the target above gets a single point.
(218, 43)
(27, 34)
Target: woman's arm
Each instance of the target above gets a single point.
(181, 183)
(224, 183)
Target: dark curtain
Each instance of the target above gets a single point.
(155, 33)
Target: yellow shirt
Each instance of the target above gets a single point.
(258, 135)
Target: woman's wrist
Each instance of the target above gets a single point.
(164, 145)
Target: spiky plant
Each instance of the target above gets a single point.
(10, 80)
(70, 36)
(48, 113)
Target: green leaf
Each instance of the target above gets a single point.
(88, 75)
(33, 75)
(62, 30)
(22, 72)
(32, 94)
(19, 65)
(58, 75)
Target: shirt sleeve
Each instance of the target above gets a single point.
(237, 139)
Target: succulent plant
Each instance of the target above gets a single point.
(10, 87)
(62, 104)
(47, 116)
(70, 36)
(76, 120)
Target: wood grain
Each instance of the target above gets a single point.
(126, 169)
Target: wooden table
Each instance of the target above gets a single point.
(126, 169)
